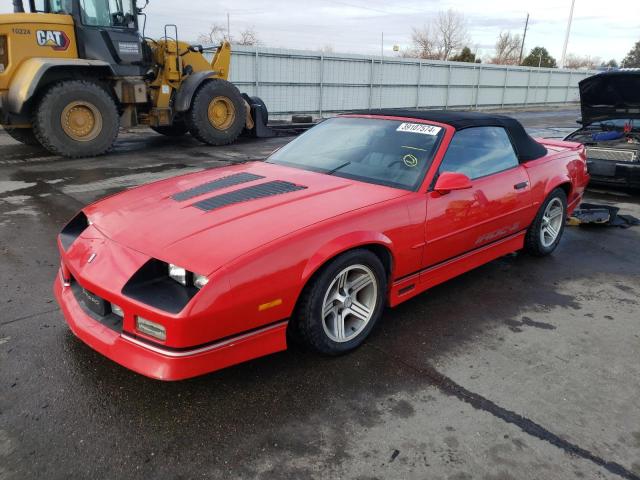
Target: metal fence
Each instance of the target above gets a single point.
(295, 81)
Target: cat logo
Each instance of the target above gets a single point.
(52, 38)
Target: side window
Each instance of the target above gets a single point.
(60, 6)
(89, 13)
(108, 13)
(478, 152)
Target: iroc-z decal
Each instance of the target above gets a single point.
(55, 39)
(498, 234)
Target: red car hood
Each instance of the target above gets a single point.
(148, 219)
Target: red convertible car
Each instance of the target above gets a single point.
(195, 273)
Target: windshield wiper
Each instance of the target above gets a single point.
(333, 170)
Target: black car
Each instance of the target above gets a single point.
(610, 104)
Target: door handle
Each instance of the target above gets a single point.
(521, 185)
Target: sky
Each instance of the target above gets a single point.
(355, 26)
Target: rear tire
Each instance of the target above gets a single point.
(341, 305)
(23, 135)
(76, 118)
(544, 234)
(178, 129)
(218, 114)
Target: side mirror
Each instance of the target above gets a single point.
(448, 181)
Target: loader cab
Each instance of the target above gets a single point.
(106, 30)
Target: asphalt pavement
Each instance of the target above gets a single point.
(524, 368)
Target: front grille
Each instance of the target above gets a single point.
(110, 320)
(613, 155)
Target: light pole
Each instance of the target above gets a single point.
(381, 68)
(524, 35)
(566, 36)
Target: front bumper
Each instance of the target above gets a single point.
(163, 363)
(618, 173)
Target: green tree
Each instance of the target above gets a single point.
(632, 60)
(465, 55)
(610, 64)
(539, 56)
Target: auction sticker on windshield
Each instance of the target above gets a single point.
(418, 128)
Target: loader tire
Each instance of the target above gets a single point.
(178, 129)
(217, 115)
(23, 135)
(76, 118)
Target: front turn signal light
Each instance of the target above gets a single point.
(116, 310)
(150, 328)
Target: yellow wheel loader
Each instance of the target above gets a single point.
(72, 72)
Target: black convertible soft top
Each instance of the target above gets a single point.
(526, 147)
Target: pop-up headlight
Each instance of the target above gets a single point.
(179, 274)
(199, 281)
(187, 278)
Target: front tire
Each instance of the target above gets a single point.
(342, 304)
(76, 118)
(544, 234)
(218, 114)
(23, 135)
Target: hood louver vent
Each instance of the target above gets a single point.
(218, 184)
(263, 190)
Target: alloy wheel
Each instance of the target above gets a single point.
(551, 222)
(349, 303)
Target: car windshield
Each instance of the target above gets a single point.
(384, 152)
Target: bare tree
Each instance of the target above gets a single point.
(581, 61)
(424, 44)
(507, 49)
(439, 39)
(248, 36)
(216, 34)
(326, 48)
(451, 32)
